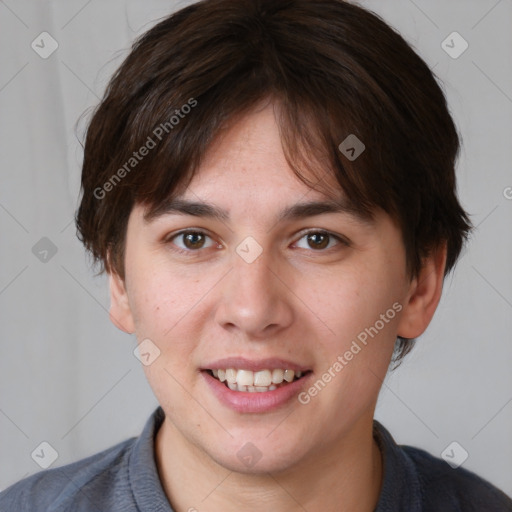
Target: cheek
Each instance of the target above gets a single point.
(158, 297)
(357, 300)
(168, 307)
(354, 360)
(162, 305)
(362, 309)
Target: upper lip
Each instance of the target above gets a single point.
(255, 365)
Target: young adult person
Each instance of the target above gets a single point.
(270, 186)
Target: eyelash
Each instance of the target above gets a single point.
(191, 252)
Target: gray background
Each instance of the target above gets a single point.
(69, 378)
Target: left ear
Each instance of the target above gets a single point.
(120, 312)
(424, 295)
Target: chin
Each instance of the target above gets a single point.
(257, 456)
(262, 467)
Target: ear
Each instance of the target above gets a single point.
(424, 295)
(120, 312)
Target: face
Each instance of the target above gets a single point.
(312, 298)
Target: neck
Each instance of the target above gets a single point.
(346, 476)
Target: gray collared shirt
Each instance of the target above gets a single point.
(124, 478)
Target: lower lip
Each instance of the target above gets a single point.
(242, 401)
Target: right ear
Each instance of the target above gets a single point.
(120, 312)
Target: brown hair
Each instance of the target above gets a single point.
(332, 68)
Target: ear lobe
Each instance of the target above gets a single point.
(120, 312)
(424, 295)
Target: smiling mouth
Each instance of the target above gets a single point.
(256, 382)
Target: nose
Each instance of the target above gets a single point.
(255, 298)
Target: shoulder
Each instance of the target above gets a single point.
(416, 481)
(454, 489)
(77, 486)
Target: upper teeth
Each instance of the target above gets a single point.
(250, 378)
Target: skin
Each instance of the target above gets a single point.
(296, 302)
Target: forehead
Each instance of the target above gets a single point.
(246, 170)
(250, 150)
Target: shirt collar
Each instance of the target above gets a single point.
(400, 486)
(145, 483)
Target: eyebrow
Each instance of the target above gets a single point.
(179, 206)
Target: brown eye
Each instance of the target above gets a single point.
(190, 242)
(321, 241)
(318, 240)
(193, 240)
